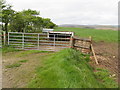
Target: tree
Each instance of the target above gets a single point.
(18, 23)
(47, 23)
(37, 23)
(25, 21)
(29, 15)
(7, 14)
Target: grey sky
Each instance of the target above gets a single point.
(72, 11)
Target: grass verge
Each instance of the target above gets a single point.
(67, 69)
(6, 49)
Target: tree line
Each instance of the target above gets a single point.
(22, 21)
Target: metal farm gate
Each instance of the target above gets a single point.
(38, 41)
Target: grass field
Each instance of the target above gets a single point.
(70, 69)
(97, 35)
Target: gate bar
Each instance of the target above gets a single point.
(38, 42)
(54, 41)
(23, 41)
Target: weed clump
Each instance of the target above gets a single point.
(13, 65)
(23, 61)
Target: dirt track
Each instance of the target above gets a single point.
(18, 77)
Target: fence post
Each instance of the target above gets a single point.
(72, 42)
(38, 42)
(22, 40)
(8, 39)
(90, 42)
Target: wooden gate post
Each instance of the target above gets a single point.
(90, 43)
(72, 42)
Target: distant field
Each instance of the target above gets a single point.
(97, 35)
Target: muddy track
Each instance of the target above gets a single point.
(19, 77)
(107, 55)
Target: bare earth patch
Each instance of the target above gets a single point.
(107, 55)
(18, 77)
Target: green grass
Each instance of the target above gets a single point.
(67, 69)
(97, 35)
(23, 61)
(13, 65)
(6, 49)
(104, 75)
(28, 52)
(16, 64)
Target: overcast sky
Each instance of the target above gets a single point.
(72, 11)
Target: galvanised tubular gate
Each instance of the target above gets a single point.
(38, 41)
(0, 39)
